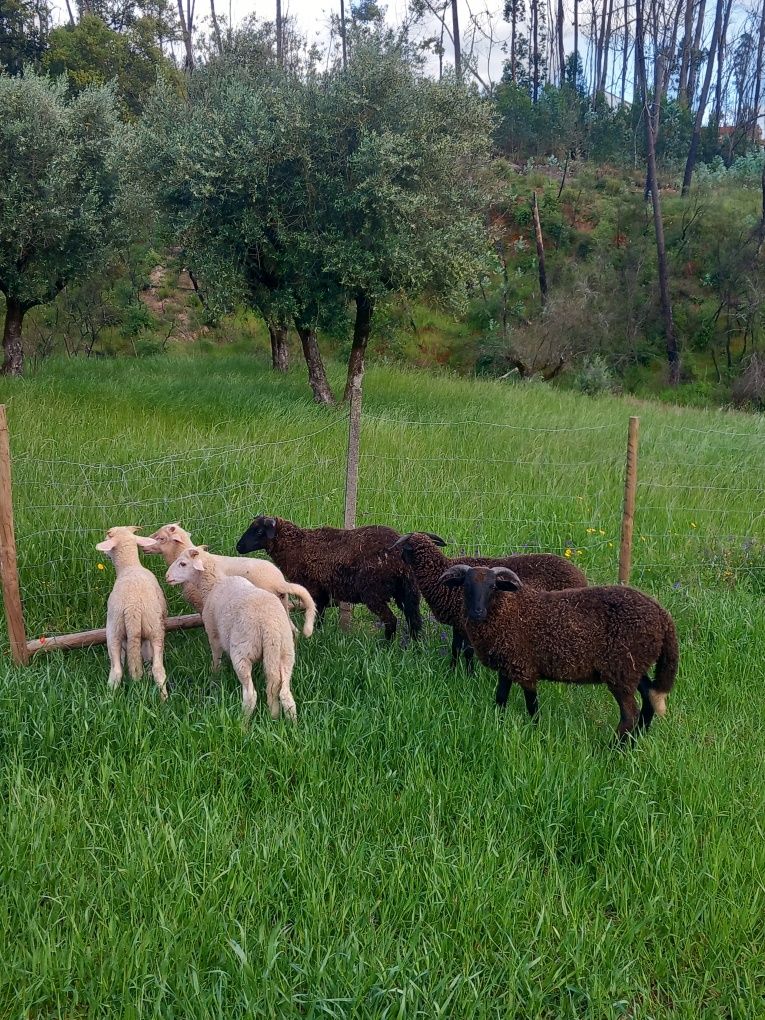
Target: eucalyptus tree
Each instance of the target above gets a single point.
(61, 205)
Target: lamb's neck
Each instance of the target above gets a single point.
(124, 556)
(206, 580)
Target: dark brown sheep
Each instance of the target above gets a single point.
(611, 635)
(420, 551)
(337, 565)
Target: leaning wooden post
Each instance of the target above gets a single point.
(540, 250)
(9, 572)
(351, 478)
(628, 515)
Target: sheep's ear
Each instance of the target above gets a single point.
(269, 523)
(435, 538)
(507, 580)
(133, 528)
(106, 546)
(145, 543)
(454, 577)
(196, 559)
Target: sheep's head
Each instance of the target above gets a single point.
(169, 536)
(123, 536)
(479, 585)
(409, 545)
(257, 536)
(189, 565)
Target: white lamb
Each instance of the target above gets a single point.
(171, 540)
(247, 623)
(136, 611)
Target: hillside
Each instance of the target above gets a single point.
(405, 848)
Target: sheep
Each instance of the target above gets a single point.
(247, 623)
(420, 550)
(610, 635)
(171, 540)
(135, 612)
(337, 565)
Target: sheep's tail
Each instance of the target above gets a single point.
(666, 670)
(133, 630)
(308, 604)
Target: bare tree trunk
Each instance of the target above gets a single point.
(758, 74)
(540, 250)
(696, 137)
(456, 35)
(187, 30)
(673, 356)
(317, 377)
(71, 16)
(13, 351)
(279, 35)
(576, 42)
(561, 47)
(280, 352)
(685, 60)
(626, 50)
(606, 45)
(535, 50)
(216, 27)
(720, 61)
(342, 34)
(362, 327)
(694, 67)
(601, 34)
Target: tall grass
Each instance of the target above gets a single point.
(405, 850)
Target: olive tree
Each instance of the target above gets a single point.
(60, 203)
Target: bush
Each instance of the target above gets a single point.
(594, 376)
(749, 389)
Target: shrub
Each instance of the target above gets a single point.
(594, 376)
(749, 389)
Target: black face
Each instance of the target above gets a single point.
(479, 585)
(257, 536)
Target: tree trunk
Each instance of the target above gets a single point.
(540, 251)
(576, 43)
(362, 327)
(342, 34)
(216, 27)
(673, 356)
(279, 35)
(696, 137)
(317, 377)
(758, 76)
(280, 352)
(13, 351)
(187, 30)
(693, 69)
(626, 51)
(685, 62)
(535, 50)
(606, 46)
(561, 47)
(456, 34)
(720, 61)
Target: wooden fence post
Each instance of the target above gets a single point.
(9, 573)
(628, 515)
(351, 479)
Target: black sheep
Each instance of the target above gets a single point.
(338, 565)
(611, 635)
(420, 551)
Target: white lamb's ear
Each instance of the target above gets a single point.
(145, 543)
(196, 559)
(106, 546)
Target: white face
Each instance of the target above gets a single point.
(185, 568)
(166, 536)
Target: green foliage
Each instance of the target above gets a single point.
(23, 33)
(61, 206)
(594, 377)
(91, 53)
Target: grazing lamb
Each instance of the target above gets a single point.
(611, 635)
(420, 550)
(136, 610)
(337, 565)
(171, 540)
(247, 623)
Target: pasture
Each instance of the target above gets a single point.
(405, 850)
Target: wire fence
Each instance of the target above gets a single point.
(487, 488)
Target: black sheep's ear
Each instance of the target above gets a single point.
(435, 538)
(269, 523)
(507, 580)
(454, 577)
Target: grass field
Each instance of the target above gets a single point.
(405, 850)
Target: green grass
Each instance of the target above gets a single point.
(405, 850)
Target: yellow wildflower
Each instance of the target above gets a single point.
(579, 552)
(568, 554)
(693, 524)
(100, 566)
(601, 531)
(591, 531)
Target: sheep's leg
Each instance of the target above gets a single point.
(532, 702)
(243, 670)
(322, 601)
(457, 644)
(158, 666)
(215, 647)
(383, 611)
(503, 688)
(628, 711)
(468, 654)
(647, 710)
(411, 609)
(114, 647)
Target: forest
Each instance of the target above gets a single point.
(524, 190)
